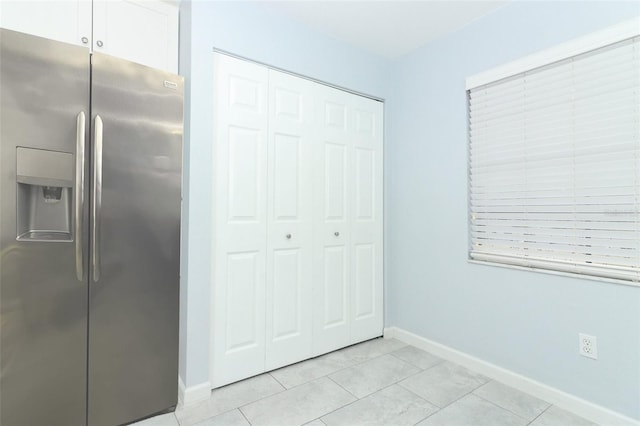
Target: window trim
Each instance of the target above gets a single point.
(554, 272)
(613, 34)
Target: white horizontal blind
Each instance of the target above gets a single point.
(555, 165)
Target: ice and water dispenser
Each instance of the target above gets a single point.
(45, 180)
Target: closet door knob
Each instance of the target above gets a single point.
(99, 43)
(337, 234)
(84, 40)
(288, 236)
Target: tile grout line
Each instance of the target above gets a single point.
(341, 407)
(544, 411)
(460, 397)
(417, 366)
(343, 368)
(239, 408)
(276, 379)
(243, 405)
(358, 363)
(360, 399)
(317, 358)
(499, 406)
(397, 383)
(244, 415)
(345, 389)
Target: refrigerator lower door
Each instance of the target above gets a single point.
(135, 240)
(44, 97)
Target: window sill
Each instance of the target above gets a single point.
(560, 273)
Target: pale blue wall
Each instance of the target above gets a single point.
(523, 321)
(249, 30)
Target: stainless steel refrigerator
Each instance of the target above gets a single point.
(90, 168)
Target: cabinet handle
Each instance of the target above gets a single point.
(99, 43)
(337, 234)
(288, 236)
(84, 40)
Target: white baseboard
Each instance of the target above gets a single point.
(192, 394)
(572, 403)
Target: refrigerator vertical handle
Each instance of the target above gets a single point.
(79, 192)
(97, 198)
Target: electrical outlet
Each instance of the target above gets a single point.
(588, 346)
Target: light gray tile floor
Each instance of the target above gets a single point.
(379, 382)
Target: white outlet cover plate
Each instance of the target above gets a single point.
(588, 346)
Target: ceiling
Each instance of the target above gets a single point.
(387, 28)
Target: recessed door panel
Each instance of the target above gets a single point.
(287, 301)
(244, 93)
(335, 183)
(286, 167)
(335, 288)
(244, 173)
(242, 299)
(365, 184)
(288, 103)
(365, 123)
(335, 115)
(364, 281)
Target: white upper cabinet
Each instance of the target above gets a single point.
(142, 31)
(68, 21)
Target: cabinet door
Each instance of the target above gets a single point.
(239, 234)
(141, 31)
(68, 21)
(365, 213)
(289, 220)
(332, 190)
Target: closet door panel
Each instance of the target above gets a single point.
(365, 220)
(289, 220)
(239, 239)
(242, 296)
(332, 192)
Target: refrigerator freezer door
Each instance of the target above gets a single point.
(43, 305)
(133, 303)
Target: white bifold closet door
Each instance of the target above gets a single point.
(365, 219)
(289, 220)
(241, 117)
(297, 238)
(348, 220)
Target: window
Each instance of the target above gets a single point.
(554, 159)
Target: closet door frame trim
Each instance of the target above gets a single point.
(295, 74)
